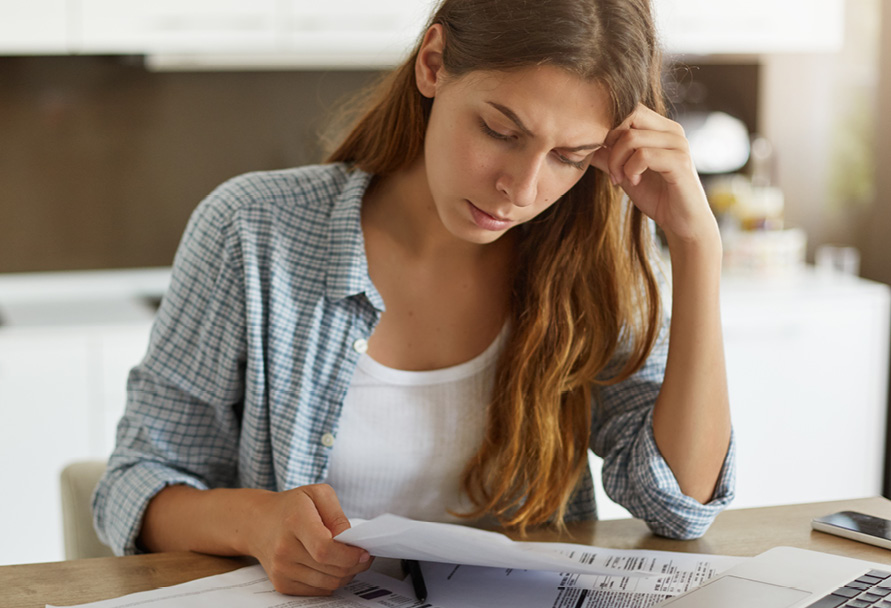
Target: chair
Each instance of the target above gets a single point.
(78, 480)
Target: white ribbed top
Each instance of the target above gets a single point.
(406, 436)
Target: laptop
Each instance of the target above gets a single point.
(786, 577)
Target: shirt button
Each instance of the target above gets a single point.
(327, 440)
(360, 346)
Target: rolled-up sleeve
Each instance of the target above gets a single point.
(635, 475)
(181, 424)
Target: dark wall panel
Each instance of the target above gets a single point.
(101, 161)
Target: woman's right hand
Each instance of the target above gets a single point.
(293, 537)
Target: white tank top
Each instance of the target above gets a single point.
(406, 436)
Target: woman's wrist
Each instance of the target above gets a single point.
(705, 248)
(247, 508)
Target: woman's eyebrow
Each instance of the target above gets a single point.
(512, 116)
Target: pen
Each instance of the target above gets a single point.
(417, 579)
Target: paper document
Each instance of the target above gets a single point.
(250, 588)
(454, 586)
(393, 536)
(451, 586)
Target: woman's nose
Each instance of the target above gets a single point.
(519, 180)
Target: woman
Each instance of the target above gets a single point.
(441, 321)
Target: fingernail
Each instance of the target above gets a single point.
(364, 557)
(613, 179)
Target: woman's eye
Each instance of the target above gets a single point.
(492, 133)
(581, 165)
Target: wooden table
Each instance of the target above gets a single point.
(735, 532)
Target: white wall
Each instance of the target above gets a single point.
(876, 239)
(819, 110)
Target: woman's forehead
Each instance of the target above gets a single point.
(542, 95)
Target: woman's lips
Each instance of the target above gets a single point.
(486, 221)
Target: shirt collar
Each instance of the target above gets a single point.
(347, 272)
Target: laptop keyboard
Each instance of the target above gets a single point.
(872, 590)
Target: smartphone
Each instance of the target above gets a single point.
(856, 526)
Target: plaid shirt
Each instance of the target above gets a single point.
(255, 345)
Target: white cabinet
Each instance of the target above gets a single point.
(358, 33)
(751, 27)
(233, 32)
(807, 362)
(807, 368)
(67, 342)
(176, 26)
(354, 31)
(44, 399)
(59, 390)
(312, 34)
(34, 26)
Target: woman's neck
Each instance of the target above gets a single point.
(446, 299)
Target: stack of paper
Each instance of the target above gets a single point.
(463, 568)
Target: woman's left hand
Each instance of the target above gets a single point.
(648, 155)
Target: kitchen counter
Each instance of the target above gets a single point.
(94, 297)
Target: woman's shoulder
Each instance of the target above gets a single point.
(299, 194)
(291, 214)
(311, 185)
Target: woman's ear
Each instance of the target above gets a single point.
(428, 66)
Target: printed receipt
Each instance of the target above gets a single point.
(398, 537)
(673, 573)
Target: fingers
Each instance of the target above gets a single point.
(648, 155)
(329, 520)
(289, 553)
(646, 119)
(645, 141)
(297, 579)
(304, 558)
(328, 507)
(293, 571)
(300, 579)
(670, 164)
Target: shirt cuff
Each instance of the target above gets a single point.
(661, 503)
(122, 497)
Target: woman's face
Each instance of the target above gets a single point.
(501, 147)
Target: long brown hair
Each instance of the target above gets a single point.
(585, 307)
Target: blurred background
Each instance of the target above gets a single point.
(117, 118)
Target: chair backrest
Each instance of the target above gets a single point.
(78, 481)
